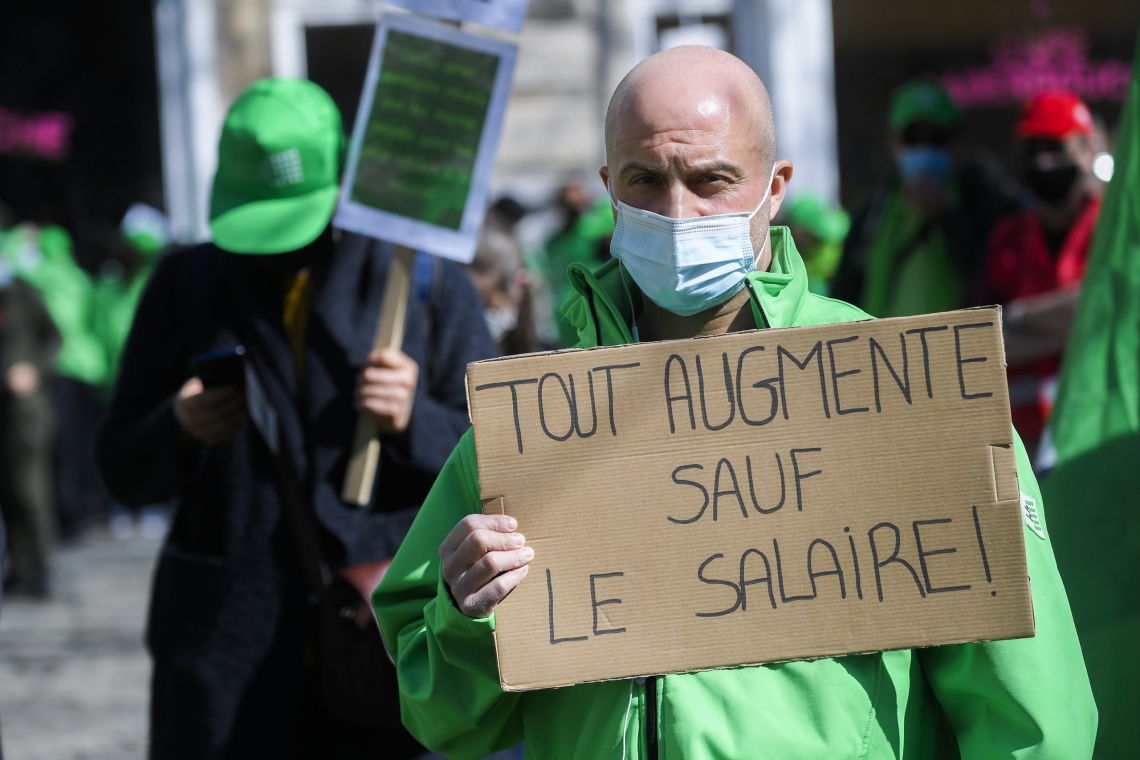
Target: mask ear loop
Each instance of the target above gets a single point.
(767, 195)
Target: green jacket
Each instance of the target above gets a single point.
(580, 243)
(66, 290)
(1096, 427)
(114, 301)
(1026, 699)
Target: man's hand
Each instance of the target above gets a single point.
(482, 560)
(23, 379)
(387, 389)
(210, 416)
(1038, 326)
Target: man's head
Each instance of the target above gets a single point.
(923, 120)
(279, 162)
(690, 133)
(1055, 146)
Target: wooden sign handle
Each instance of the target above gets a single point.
(364, 458)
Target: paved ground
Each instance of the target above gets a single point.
(73, 671)
(74, 676)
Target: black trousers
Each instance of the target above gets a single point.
(79, 492)
(25, 492)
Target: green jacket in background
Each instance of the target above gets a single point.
(910, 268)
(580, 243)
(1027, 699)
(44, 259)
(114, 301)
(1093, 492)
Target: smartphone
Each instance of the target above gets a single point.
(220, 369)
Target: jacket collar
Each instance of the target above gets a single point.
(605, 301)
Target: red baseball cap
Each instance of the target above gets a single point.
(1054, 115)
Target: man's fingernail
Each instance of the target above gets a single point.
(512, 523)
(517, 539)
(527, 553)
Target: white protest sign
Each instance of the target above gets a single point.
(423, 146)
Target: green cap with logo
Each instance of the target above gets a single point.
(922, 100)
(279, 163)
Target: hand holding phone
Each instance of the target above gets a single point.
(211, 406)
(219, 369)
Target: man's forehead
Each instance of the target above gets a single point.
(688, 136)
(684, 105)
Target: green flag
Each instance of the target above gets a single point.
(1093, 494)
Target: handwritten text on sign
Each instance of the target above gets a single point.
(755, 497)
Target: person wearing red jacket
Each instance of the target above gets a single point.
(1036, 257)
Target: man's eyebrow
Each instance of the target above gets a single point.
(700, 166)
(633, 166)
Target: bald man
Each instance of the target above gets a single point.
(691, 168)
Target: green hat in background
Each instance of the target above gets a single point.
(922, 100)
(279, 162)
(826, 222)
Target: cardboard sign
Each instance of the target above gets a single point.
(499, 14)
(424, 142)
(755, 497)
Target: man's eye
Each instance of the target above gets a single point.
(643, 179)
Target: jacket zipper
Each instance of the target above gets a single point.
(651, 718)
(650, 682)
(759, 305)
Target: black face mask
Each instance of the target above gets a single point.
(1051, 185)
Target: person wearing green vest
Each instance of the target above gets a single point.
(918, 246)
(28, 344)
(44, 258)
(117, 292)
(1092, 490)
(694, 179)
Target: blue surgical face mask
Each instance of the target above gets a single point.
(686, 265)
(931, 161)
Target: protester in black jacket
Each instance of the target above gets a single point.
(231, 626)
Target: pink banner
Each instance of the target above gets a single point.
(44, 134)
(1023, 65)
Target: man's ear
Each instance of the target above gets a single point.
(604, 173)
(780, 182)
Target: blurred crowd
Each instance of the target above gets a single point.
(62, 331)
(942, 231)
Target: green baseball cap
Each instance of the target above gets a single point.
(279, 163)
(826, 222)
(922, 100)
